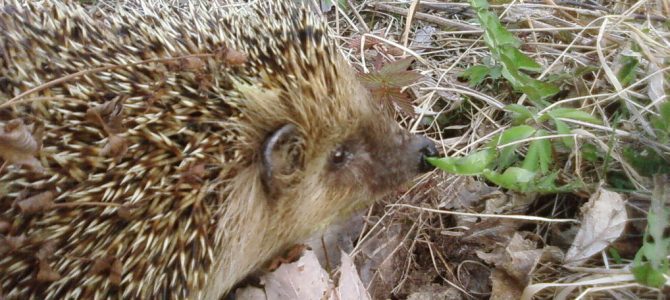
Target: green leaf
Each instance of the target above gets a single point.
(520, 60)
(590, 152)
(513, 178)
(646, 161)
(647, 275)
(575, 114)
(651, 261)
(510, 135)
(472, 164)
(614, 253)
(665, 112)
(520, 113)
(563, 128)
(537, 91)
(495, 72)
(479, 4)
(538, 155)
(476, 74)
(627, 72)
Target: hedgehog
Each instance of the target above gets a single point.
(158, 151)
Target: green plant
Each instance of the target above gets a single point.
(508, 61)
(651, 264)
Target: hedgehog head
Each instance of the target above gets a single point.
(319, 146)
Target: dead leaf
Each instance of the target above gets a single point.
(603, 220)
(250, 293)
(45, 273)
(386, 84)
(192, 64)
(115, 272)
(19, 146)
(46, 251)
(12, 243)
(291, 255)
(304, 279)
(4, 226)
(35, 204)
(350, 284)
(235, 58)
(357, 42)
(195, 173)
(504, 287)
(109, 115)
(491, 231)
(101, 265)
(116, 147)
(124, 212)
(514, 265)
(655, 88)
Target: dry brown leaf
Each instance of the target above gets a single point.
(235, 58)
(523, 258)
(19, 146)
(12, 243)
(116, 147)
(250, 293)
(656, 87)
(192, 64)
(304, 279)
(109, 115)
(357, 42)
(35, 204)
(101, 265)
(195, 173)
(115, 272)
(4, 226)
(124, 212)
(45, 273)
(46, 251)
(491, 231)
(514, 266)
(504, 287)
(350, 284)
(603, 220)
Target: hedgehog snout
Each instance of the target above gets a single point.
(426, 149)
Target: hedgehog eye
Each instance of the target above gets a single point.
(339, 156)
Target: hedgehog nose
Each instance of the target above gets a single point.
(426, 149)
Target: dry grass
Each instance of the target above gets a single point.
(440, 210)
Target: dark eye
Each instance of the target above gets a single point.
(339, 156)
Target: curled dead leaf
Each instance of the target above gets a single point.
(12, 243)
(45, 273)
(192, 64)
(115, 272)
(4, 226)
(194, 174)
(19, 146)
(101, 265)
(35, 204)
(124, 212)
(603, 221)
(116, 147)
(235, 58)
(109, 115)
(350, 284)
(47, 250)
(357, 42)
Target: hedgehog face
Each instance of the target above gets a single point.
(342, 167)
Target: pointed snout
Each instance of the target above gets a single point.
(426, 149)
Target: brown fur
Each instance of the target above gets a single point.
(170, 231)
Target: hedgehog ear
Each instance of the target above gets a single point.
(281, 158)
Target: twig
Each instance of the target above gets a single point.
(426, 17)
